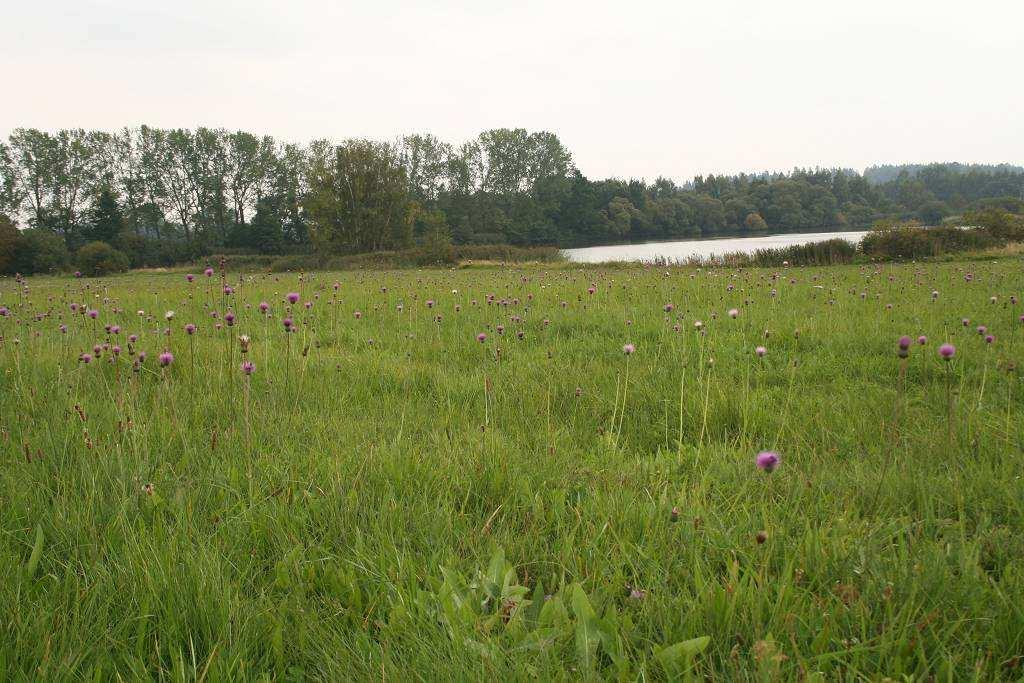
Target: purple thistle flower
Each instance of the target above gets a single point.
(358, 315)
(94, 314)
(208, 272)
(767, 460)
(904, 342)
(248, 367)
(229, 318)
(981, 330)
(628, 349)
(760, 351)
(85, 358)
(947, 351)
(481, 337)
(165, 358)
(922, 340)
(293, 297)
(287, 322)
(989, 338)
(190, 328)
(133, 338)
(190, 277)
(264, 307)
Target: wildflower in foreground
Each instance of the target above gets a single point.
(481, 337)
(904, 344)
(248, 367)
(628, 349)
(947, 351)
(293, 297)
(767, 460)
(760, 351)
(165, 358)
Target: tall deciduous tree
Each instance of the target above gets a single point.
(359, 199)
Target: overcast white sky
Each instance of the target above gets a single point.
(634, 89)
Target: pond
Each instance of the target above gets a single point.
(703, 248)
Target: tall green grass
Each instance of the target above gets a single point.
(427, 506)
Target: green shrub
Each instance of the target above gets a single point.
(9, 240)
(998, 223)
(281, 264)
(916, 243)
(99, 258)
(40, 250)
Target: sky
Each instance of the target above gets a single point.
(634, 89)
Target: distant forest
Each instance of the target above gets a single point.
(159, 196)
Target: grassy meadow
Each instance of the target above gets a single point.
(463, 475)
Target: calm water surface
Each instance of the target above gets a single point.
(684, 249)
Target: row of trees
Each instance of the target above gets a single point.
(162, 196)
